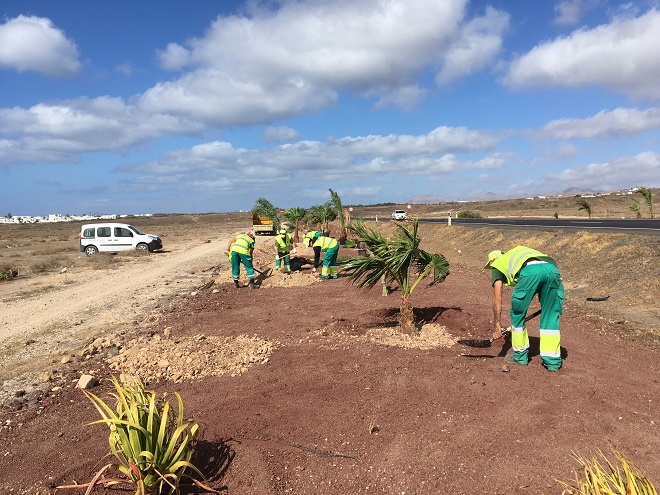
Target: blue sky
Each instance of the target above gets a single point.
(172, 107)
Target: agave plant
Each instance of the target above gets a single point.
(622, 478)
(152, 446)
(398, 259)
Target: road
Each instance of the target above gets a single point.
(631, 226)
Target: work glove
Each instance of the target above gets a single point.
(277, 256)
(313, 270)
(294, 251)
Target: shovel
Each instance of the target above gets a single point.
(489, 342)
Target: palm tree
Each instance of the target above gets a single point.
(322, 215)
(399, 260)
(264, 208)
(335, 200)
(584, 205)
(635, 209)
(295, 216)
(648, 196)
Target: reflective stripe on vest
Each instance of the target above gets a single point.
(325, 243)
(512, 261)
(242, 244)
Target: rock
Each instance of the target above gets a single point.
(66, 359)
(46, 376)
(86, 382)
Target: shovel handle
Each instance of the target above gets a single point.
(507, 330)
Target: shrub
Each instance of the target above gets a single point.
(469, 214)
(596, 480)
(151, 444)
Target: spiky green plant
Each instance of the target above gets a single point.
(264, 208)
(296, 216)
(623, 478)
(584, 205)
(398, 259)
(648, 197)
(152, 445)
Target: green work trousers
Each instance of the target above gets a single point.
(542, 279)
(236, 260)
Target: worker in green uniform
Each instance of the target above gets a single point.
(529, 272)
(330, 246)
(240, 250)
(283, 243)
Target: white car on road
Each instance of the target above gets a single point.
(399, 215)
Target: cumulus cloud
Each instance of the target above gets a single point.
(368, 46)
(570, 12)
(479, 43)
(60, 132)
(620, 122)
(280, 133)
(30, 43)
(348, 159)
(616, 55)
(643, 169)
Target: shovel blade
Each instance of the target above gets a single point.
(478, 343)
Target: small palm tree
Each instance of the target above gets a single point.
(335, 200)
(295, 216)
(264, 208)
(635, 209)
(648, 196)
(584, 205)
(399, 260)
(322, 215)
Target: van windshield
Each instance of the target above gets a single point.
(136, 230)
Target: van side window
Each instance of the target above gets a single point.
(122, 232)
(88, 233)
(103, 232)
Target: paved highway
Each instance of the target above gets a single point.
(648, 226)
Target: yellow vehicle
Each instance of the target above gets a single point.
(263, 225)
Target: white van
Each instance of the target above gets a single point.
(114, 237)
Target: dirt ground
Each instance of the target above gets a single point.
(305, 386)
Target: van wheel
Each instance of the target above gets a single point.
(142, 248)
(91, 250)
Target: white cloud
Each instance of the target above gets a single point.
(479, 43)
(570, 12)
(280, 133)
(173, 57)
(617, 56)
(35, 44)
(257, 63)
(60, 132)
(642, 169)
(405, 98)
(620, 122)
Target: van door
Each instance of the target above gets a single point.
(106, 242)
(123, 239)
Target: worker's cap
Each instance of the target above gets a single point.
(492, 256)
(282, 231)
(250, 234)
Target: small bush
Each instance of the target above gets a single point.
(49, 264)
(469, 214)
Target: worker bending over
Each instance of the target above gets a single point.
(529, 272)
(283, 243)
(331, 248)
(240, 250)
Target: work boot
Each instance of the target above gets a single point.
(509, 360)
(236, 283)
(252, 285)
